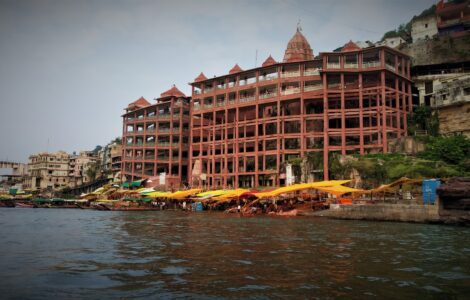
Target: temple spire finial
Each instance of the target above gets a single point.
(299, 28)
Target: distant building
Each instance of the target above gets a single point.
(392, 42)
(451, 98)
(116, 160)
(155, 140)
(48, 171)
(453, 18)
(79, 165)
(423, 28)
(364, 44)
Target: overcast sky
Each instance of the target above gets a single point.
(68, 68)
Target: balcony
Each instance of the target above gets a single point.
(312, 72)
(268, 77)
(208, 106)
(333, 65)
(351, 65)
(290, 91)
(164, 158)
(371, 64)
(313, 87)
(290, 74)
(267, 95)
(164, 117)
(231, 102)
(163, 144)
(231, 84)
(150, 144)
(196, 107)
(390, 67)
(219, 104)
(150, 130)
(149, 157)
(246, 99)
(208, 90)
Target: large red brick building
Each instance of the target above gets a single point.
(241, 128)
(248, 123)
(155, 139)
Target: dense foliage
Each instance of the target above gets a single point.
(423, 118)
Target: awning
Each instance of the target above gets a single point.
(183, 194)
(339, 190)
(126, 184)
(299, 187)
(392, 186)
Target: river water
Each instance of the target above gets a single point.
(83, 254)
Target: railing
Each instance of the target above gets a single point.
(290, 74)
(231, 102)
(164, 117)
(149, 144)
(313, 72)
(149, 156)
(313, 87)
(163, 157)
(196, 107)
(208, 90)
(197, 92)
(246, 99)
(390, 67)
(150, 117)
(351, 65)
(220, 104)
(290, 91)
(331, 65)
(221, 87)
(164, 130)
(370, 64)
(208, 105)
(150, 130)
(231, 84)
(334, 85)
(268, 77)
(267, 95)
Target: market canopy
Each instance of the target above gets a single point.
(339, 190)
(392, 186)
(230, 194)
(299, 187)
(183, 194)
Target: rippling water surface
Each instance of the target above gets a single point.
(77, 254)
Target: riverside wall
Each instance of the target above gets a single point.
(384, 212)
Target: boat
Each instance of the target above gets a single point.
(25, 205)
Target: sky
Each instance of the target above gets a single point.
(68, 68)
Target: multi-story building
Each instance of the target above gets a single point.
(79, 165)
(453, 17)
(248, 123)
(155, 139)
(451, 99)
(116, 161)
(48, 171)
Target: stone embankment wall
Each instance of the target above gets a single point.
(455, 119)
(384, 212)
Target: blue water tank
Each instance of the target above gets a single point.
(429, 190)
(199, 206)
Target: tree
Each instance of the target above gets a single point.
(92, 171)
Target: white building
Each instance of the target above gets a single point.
(423, 28)
(393, 42)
